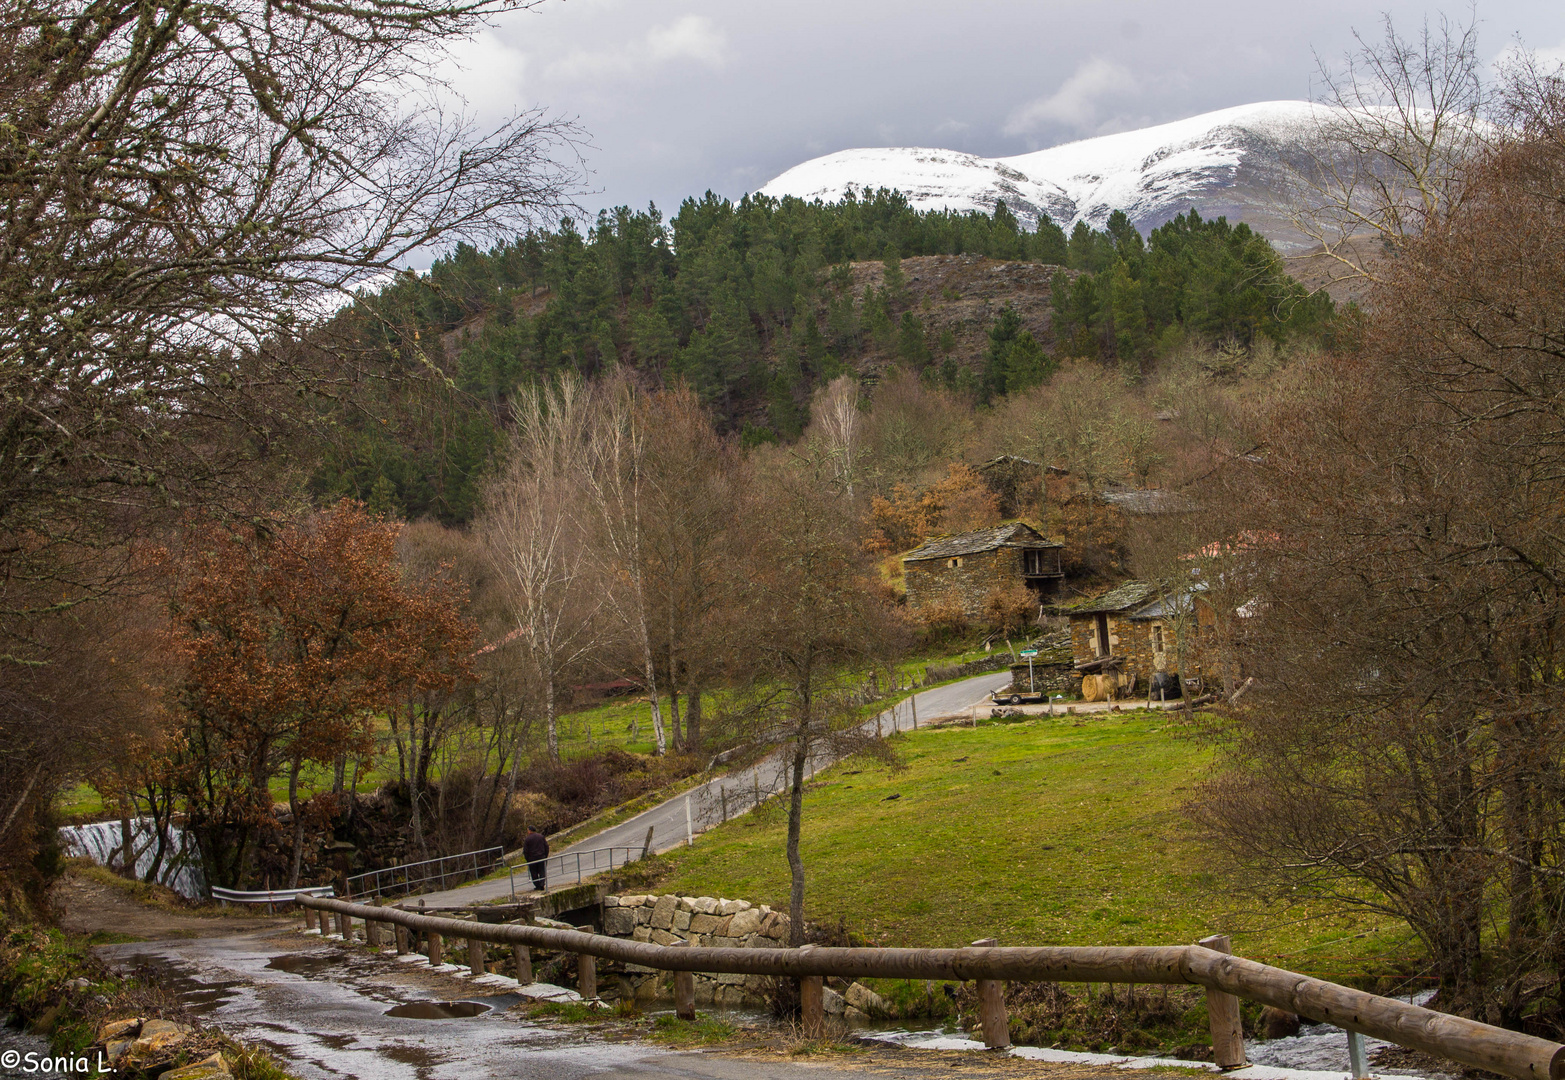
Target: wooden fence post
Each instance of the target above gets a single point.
(992, 1017)
(475, 956)
(436, 950)
(309, 917)
(684, 990)
(812, 1003)
(400, 933)
(1223, 1012)
(587, 976)
(524, 963)
(344, 926)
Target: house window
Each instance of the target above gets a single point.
(955, 562)
(1157, 637)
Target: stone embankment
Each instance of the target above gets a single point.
(708, 921)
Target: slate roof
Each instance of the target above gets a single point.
(1149, 501)
(1012, 534)
(1130, 595)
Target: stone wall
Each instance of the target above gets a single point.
(699, 920)
(930, 582)
(707, 921)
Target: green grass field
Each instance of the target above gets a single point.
(1049, 831)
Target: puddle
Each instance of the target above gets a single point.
(438, 1010)
(303, 963)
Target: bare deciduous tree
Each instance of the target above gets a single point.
(1404, 749)
(531, 528)
(1397, 124)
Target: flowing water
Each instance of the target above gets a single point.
(180, 870)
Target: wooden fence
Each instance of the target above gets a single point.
(1226, 978)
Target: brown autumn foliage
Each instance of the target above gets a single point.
(292, 644)
(958, 502)
(1404, 750)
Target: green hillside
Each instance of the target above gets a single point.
(1050, 831)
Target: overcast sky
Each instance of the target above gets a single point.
(684, 95)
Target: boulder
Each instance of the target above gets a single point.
(118, 1029)
(161, 1027)
(1279, 1023)
(866, 1000)
(619, 921)
(685, 902)
(834, 1003)
(855, 1016)
(663, 913)
(115, 1049)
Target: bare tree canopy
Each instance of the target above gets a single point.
(1399, 121)
(181, 187)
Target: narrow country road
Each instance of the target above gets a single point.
(705, 804)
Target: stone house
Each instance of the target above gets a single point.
(966, 569)
(1131, 633)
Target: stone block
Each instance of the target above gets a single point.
(704, 924)
(732, 907)
(212, 1068)
(663, 912)
(663, 937)
(834, 1003)
(643, 915)
(611, 901)
(642, 933)
(703, 905)
(637, 969)
(854, 1015)
(744, 923)
(729, 978)
(685, 902)
(770, 922)
(618, 921)
(681, 920)
(720, 942)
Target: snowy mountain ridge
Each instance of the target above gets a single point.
(1227, 162)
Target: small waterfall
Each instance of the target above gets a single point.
(181, 869)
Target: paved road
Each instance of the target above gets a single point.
(705, 804)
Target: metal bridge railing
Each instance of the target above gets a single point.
(411, 877)
(574, 866)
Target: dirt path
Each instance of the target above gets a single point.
(89, 906)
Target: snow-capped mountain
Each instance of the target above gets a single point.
(1221, 163)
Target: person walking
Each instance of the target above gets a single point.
(535, 849)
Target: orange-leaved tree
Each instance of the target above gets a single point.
(292, 643)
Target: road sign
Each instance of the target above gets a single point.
(1029, 652)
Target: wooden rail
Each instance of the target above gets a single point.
(1483, 1046)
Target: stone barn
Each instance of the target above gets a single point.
(966, 569)
(1122, 639)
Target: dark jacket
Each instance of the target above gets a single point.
(534, 847)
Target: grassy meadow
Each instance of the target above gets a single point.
(1065, 830)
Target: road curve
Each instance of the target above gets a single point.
(705, 803)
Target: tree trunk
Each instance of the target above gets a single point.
(693, 716)
(801, 753)
(341, 768)
(298, 824)
(549, 717)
